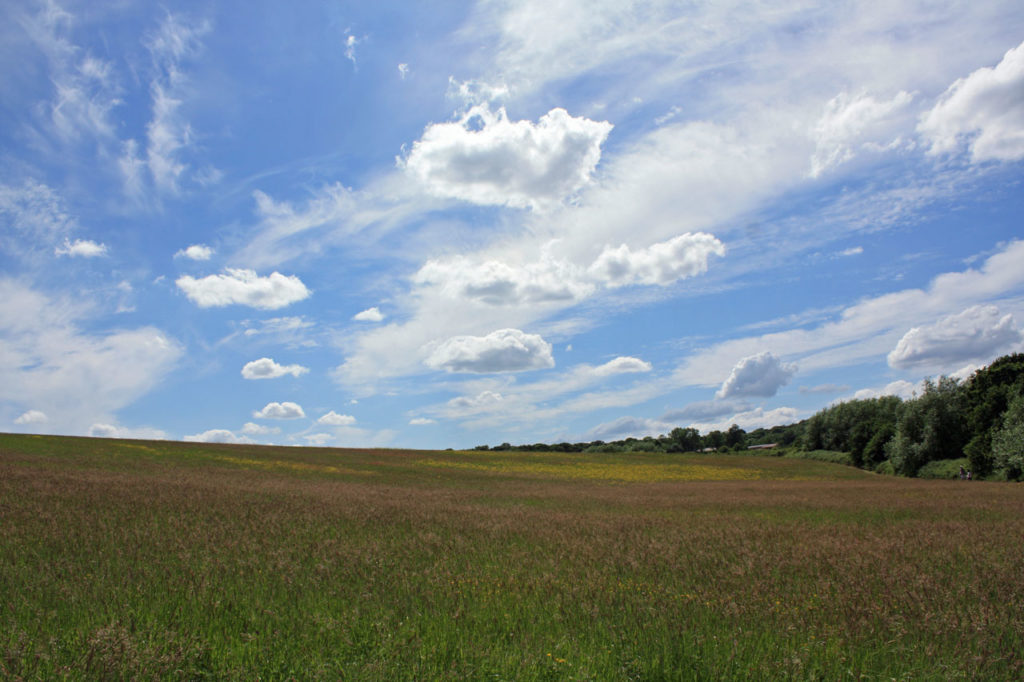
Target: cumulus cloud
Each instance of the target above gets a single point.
(81, 248)
(977, 333)
(504, 350)
(663, 263)
(254, 429)
(985, 110)
(369, 315)
(900, 388)
(218, 436)
(32, 417)
(485, 158)
(848, 122)
(332, 418)
(493, 282)
(760, 375)
(114, 431)
(622, 365)
(285, 410)
(195, 252)
(482, 402)
(421, 421)
(318, 439)
(266, 368)
(553, 280)
(244, 287)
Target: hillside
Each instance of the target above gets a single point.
(134, 559)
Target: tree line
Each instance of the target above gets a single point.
(980, 419)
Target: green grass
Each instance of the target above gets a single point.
(142, 560)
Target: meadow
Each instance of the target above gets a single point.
(159, 560)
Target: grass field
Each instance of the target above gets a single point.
(141, 560)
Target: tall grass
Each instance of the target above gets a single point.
(132, 560)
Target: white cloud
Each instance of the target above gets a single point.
(869, 329)
(266, 368)
(484, 401)
(662, 263)
(36, 213)
(318, 439)
(285, 410)
(85, 90)
(32, 417)
(977, 333)
(421, 421)
(985, 110)
(328, 219)
(244, 287)
(350, 48)
(369, 315)
(622, 365)
(76, 377)
(168, 134)
(253, 429)
(759, 375)
(504, 350)
(705, 411)
(549, 279)
(852, 251)
(218, 436)
(101, 430)
(628, 427)
(82, 248)
(195, 252)
(849, 122)
(899, 388)
(485, 158)
(403, 71)
(332, 418)
(753, 419)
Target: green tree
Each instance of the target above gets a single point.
(684, 440)
(929, 428)
(1008, 441)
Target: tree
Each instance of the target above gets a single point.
(735, 436)
(1008, 441)
(930, 427)
(684, 440)
(714, 439)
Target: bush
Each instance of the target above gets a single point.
(944, 468)
(886, 468)
(824, 456)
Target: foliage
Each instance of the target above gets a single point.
(929, 428)
(944, 468)
(949, 420)
(851, 426)
(823, 456)
(1008, 441)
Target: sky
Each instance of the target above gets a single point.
(432, 225)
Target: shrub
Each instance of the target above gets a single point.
(943, 468)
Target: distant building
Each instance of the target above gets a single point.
(766, 446)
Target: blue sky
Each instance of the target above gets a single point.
(446, 224)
